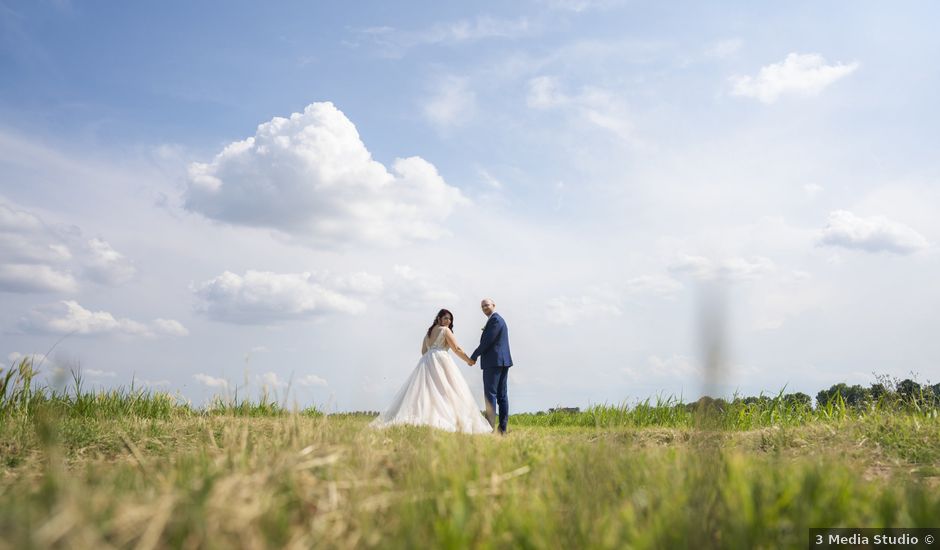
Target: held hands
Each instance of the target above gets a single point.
(471, 362)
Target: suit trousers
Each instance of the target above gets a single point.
(496, 394)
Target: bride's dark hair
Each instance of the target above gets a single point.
(440, 314)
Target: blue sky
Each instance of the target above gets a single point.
(592, 165)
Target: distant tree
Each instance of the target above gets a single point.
(877, 391)
(824, 396)
(854, 396)
(908, 389)
(798, 398)
(857, 396)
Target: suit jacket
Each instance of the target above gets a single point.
(494, 344)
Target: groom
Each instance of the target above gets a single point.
(496, 360)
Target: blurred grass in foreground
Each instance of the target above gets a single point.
(135, 468)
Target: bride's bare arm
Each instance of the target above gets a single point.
(424, 345)
(452, 342)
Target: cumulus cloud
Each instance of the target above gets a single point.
(271, 380)
(264, 296)
(872, 234)
(39, 257)
(169, 327)
(311, 177)
(568, 311)
(36, 358)
(68, 316)
(729, 269)
(802, 75)
(312, 380)
(210, 381)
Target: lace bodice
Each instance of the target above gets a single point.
(439, 343)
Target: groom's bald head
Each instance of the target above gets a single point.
(488, 306)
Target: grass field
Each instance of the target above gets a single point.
(135, 468)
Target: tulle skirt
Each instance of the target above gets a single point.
(437, 395)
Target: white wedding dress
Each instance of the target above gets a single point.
(437, 395)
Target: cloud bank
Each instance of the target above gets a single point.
(39, 257)
(261, 297)
(68, 316)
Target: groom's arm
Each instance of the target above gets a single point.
(490, 336)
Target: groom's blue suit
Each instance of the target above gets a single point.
(495, 361)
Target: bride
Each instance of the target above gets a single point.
(436, 394)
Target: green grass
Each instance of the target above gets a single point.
(135, 468)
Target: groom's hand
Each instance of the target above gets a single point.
(472, 362)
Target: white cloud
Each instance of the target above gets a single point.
(312, 380)
(410, 288)
(34, 258)
(595, 106)
(169, 327)
(263, 296)
(872, 234)
(14, 219)
(311, 177)
(802, 75)
(271, 380)
(730, 269)
(68, 316)
(23, 278)
(36, 358)
(95, 373)
(568, 311)
(211, 381)
(39, 257)
(105, 265)
(452, 104)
